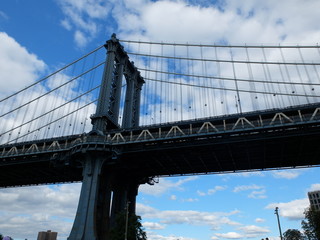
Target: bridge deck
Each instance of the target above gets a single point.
(272, 139)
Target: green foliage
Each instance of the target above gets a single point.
(135, 230)
(311, 224)
(293, 234)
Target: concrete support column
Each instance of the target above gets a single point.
(132, 196)
(125, 190)
(96, 213)
(84, 226)
(103, 205)
(119, 199)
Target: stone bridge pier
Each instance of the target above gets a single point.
(106, 191)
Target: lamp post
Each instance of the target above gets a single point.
(126, 227)
(276, 212)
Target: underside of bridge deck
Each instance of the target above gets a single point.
(281, 148)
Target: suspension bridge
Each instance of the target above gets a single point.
(161, 109)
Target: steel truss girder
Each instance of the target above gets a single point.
(254, 123)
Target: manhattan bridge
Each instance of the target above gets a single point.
(161, 109)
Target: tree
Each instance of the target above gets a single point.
(311, 224)
(135, 230)
(7, 237)
(293, 234)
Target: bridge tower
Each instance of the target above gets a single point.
(107, 185)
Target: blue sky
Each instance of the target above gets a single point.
(37, 37)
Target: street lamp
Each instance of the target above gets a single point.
(276, 212)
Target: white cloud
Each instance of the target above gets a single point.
(180, 18)
(215, 189)
(84, 17)
(292, 210)
(314, 187)
(66, 24)
(211, 191)
(80, 38)
(29, 210)
(238, 23)
(154, 236)
(248, 231)
(257, 194)
(230, 235)
(152, 225)
(247, 187)
(164, 186)
(259, 220)
(213, 219)
(190, 200)
(173, 197)
(253, 231)
(184, 21)
(18, 67)
(200, 193)
(287, 174)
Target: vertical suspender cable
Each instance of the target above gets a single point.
(161, 85)
(221, 85)
(212, 97)
(193, 92)
(200, 104)
(180, 81)
(156, 102)
(176, 88)
(293, 90)
(254, 99)
(236, 83)
(301, 80)
(268, 78)
(318, 78)
(202, 83)
(189, 100)
(306, 70)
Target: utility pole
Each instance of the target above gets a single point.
(276, 212)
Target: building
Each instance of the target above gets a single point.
(48, 235)
(314, 198)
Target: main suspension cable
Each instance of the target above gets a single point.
(234, 90)
(52, 90)
(50, 75)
